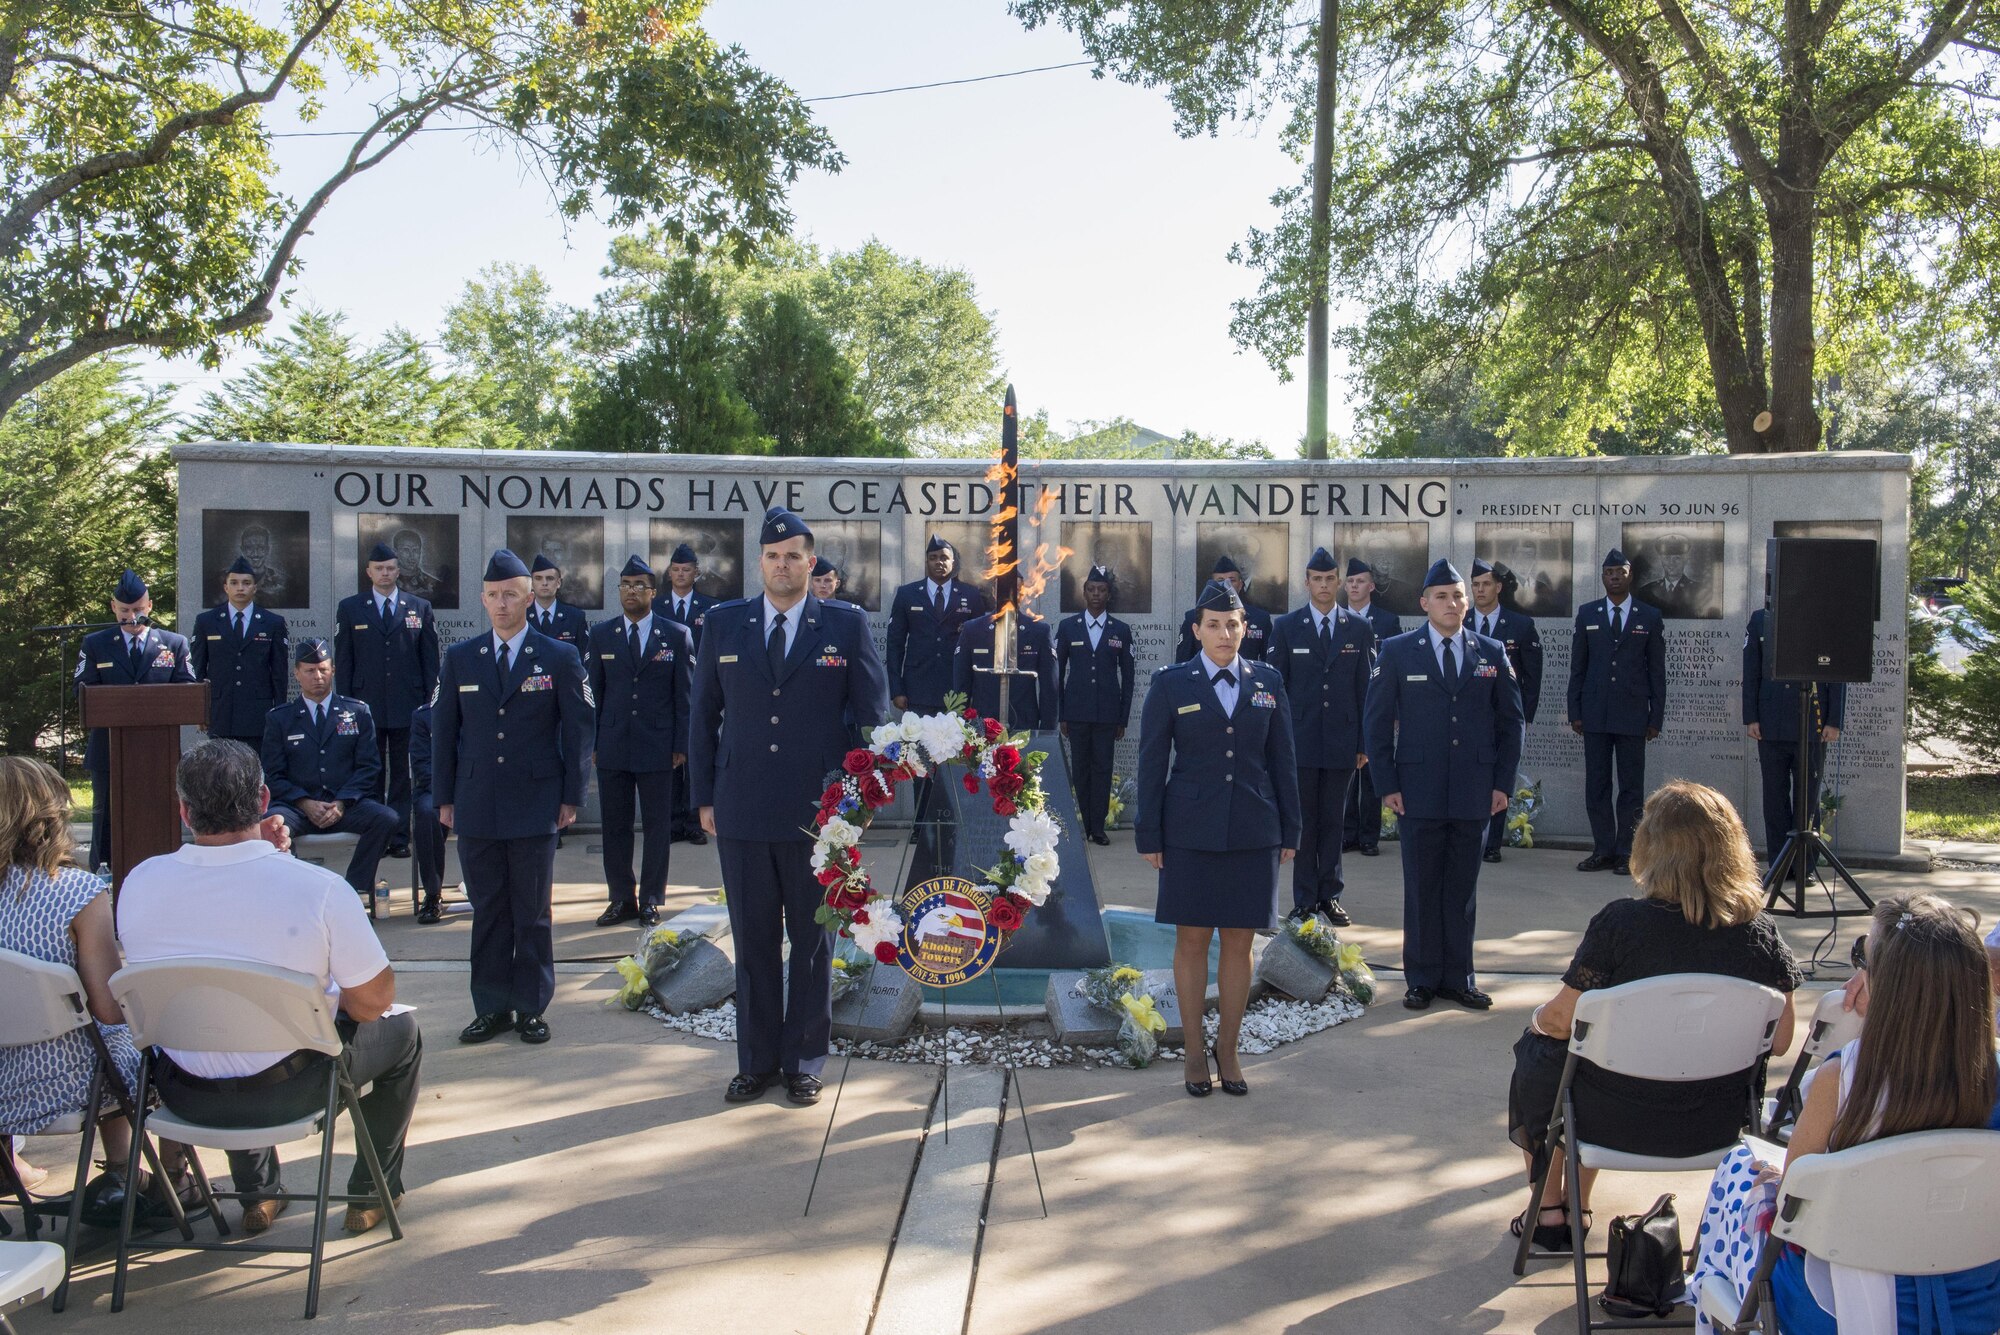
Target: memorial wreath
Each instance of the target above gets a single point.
(915, 747)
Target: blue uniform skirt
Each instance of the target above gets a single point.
(1234, 889)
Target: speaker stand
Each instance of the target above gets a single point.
(1805, 843)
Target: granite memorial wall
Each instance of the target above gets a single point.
(1693, 527)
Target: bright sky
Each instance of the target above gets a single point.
(1096, 236)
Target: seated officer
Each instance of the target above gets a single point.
(239, 649)
(321, 765)
(427, 833)
(1256, 632)
(550, 615)
(1032, 702)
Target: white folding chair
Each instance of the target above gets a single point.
(27, 1271)
(1921, 1204)
(1832, 1028)
(223, 1006)
(40, 1001)
(1676, 1027)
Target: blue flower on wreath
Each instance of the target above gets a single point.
(892, 752)
(848, 804)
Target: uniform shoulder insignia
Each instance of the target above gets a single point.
(588, 698)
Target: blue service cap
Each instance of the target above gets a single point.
(683, 556)
(381, 551)
(312, 649)
(1098, 575)
(130, 587)
(781, 525)
(1614, 557)
(1442, 571)
(634, 567)
(1225, 566)
(1357, 566)
(241, 566)
(504, 565)
(1219, 597)
(939, 543)
(543, 563)
(1321, 560)
(1481, 566)
(822, 566)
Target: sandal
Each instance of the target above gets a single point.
(1548, 1237)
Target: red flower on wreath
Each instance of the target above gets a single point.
(1006, 759)
(832, 876)
(971, 713)
(1002, 807)
(971, 782)
(1003, 914)
(859, 762)
(994, 732)
(1006, 785)
(885, 951)
(860, 918)
(849, 898)
(873, 793)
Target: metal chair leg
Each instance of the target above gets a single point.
(320, 1202)
(365, 1147)
(131, 1176)
(1579, 1238)
(85, 1145)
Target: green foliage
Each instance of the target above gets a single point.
(796, 382)
(141, 208)
(314, 385)
(1120, 438)
(519, 348)
(1961, 708)
(88, 493)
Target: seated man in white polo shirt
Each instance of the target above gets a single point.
(233, 895)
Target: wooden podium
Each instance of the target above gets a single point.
(143, 726)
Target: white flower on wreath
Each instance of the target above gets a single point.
(883, 735)
(837, 833)
(882, 925)
(1031, 888)
(1032, 832)
(942, 736)
(1042, 865)
(911, 727)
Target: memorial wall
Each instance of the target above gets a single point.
(1694, 528)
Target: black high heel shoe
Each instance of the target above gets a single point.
(1199, 1089)
(1237, 1087)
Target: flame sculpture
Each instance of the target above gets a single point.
(1013, 589)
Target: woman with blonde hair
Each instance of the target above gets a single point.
(1700, 909)
(51, 909)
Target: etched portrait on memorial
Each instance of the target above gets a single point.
(1399, 554)
(1676, 567)
(426, 548)
(1534, 564)
(718, 547)
(1125, 549)
(574, 542)
(276, 543)
(1867, 530)
(855, 548)
(1263, 552)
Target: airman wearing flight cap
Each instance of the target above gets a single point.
(551, 615)
(1094, 661)
(385, 651)
(641, 671)
(130, 653)
(681, 601)
(826, 579)
(241, 651)
(1257, 622)
(510, 732)
(1444, 731)
(321, 765)
(1324, 653)
(1516, 631)
(1617, 703)
(925, 619)
(788, 672)
(1364, 805)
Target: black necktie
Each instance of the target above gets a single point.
(319, 720)
(1617, 622)
(137, 658)
(774, 648)
(1226, 676)
(632, 646)
(1450, 668)
(1326, 635)
(239, 625)
(681, 610)
(937, 604)
(501, 659)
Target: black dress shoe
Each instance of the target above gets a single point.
(1331, 910)
(1469, 997)
(1371, 850)
(697, 837)
(1492, 855)
(616, 914)
(487, 1026)
(802, 1089)
(1104, 839)
(1597, 862)
(1419, 998)
(430, 912)
(532, 1029)
(649, 915)
(1350, 846)
(1622, 867)
(398, 850)
(744, 1088)
(1299, 915)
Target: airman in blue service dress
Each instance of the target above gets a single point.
(1364, 804)
(771, 686)
(1094, 667)
(1257, 627)
(1323, 653)
(1771, 715)
(1618, 702)
(1031, 700)
(1444, 731)
(320, 760)
(681, 601)
(1516, 631)
(641, 672)
(385, 651)
(510, 737)
(428, 835)
(551, 615)
(242, 651)
(1218, 786)
(131, 653)
(925, 619)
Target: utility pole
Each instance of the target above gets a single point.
(1319, 256)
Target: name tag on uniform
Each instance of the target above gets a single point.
(1188, 709)
(1264, 700)
(215, 637)
(102, 666)
(982, 651)
(1417, 676)
(295, 737)
(361, 628)
(915, 607)
(1592, 625)
(473, 687)
(1306, 650)
(727, 658)
(541, 683)
(607, 657)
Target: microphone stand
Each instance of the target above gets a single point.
(58, 640)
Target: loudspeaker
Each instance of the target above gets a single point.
(1819, 593)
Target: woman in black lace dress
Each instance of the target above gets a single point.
(1699, 910)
